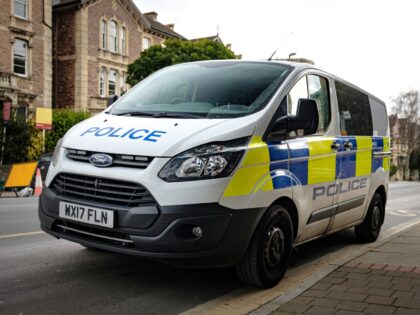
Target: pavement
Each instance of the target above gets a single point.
(383, 280)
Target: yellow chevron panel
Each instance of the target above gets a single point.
(385, 160)
(255, 166)
(363, 155)
(322, 161)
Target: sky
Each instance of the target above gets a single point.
(374, 44)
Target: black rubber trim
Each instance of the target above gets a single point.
(330, 211)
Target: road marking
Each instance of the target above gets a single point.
(21, 234)
(405, 213)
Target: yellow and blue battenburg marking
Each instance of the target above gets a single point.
(305, 161)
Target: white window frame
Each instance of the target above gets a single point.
(122, 82)
(123, 40)
(25, 4)
(148, 40)
(102, 82)
(115, 82)
(113, 40)
(25, 58)
(104, 33)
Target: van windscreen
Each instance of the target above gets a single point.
(215, 89)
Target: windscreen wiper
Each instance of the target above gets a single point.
(159, 114)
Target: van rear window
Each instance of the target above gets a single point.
(354, 109)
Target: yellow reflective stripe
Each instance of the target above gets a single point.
(385, 160)
(363, 155)
(322, 161)
(255, 166)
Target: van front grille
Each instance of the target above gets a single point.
(103, 190)
(124, 160)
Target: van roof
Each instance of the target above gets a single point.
(298, 67)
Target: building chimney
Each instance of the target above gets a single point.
(170, 26)
(153, 15)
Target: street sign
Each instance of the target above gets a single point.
(43, 118)
(6, 111)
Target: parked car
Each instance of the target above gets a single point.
(44, 162)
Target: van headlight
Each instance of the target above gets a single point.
(56, 151)
(207, 161)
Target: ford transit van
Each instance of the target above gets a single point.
(222, 163)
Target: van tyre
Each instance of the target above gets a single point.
(368, 230)
(269, 250)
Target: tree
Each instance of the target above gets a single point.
(407, 108)
(175, 51)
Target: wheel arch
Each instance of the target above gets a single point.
(382, 192)
(291, 208)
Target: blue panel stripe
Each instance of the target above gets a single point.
(300, 170)
(279, 158)
(348, 165)
(278, 152)
(280, 181)
(347, 158)
(378, 146)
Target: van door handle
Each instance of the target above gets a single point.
(348, 145)
(335, 146)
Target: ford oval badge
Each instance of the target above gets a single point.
(100, 160)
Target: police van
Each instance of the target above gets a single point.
(223, 163)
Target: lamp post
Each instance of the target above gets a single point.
(291, 55)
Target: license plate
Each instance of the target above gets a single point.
(86, 214)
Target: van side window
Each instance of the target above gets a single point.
(354, 109)
(379, 116)
(319, 91)
(316, 88)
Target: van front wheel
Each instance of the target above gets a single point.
(268, 253)
(368, 230)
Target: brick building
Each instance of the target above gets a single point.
(94, 41)
(25, 50)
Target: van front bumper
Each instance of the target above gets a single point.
(225, 232)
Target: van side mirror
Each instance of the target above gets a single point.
(306, 118)
(111, 100)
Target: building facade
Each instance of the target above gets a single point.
(26, 54)
(402, 147)
(94, 41)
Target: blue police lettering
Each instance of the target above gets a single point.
(154, 133)
(101, 132)
(132, 133)
(90, 130)
(114, 133)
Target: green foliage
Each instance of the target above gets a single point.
(175, 51)
(34, 150)
(393, 169)
(63, 120)
(18, 137)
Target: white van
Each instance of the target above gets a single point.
(223, 163)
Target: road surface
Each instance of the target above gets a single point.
(40, 274)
